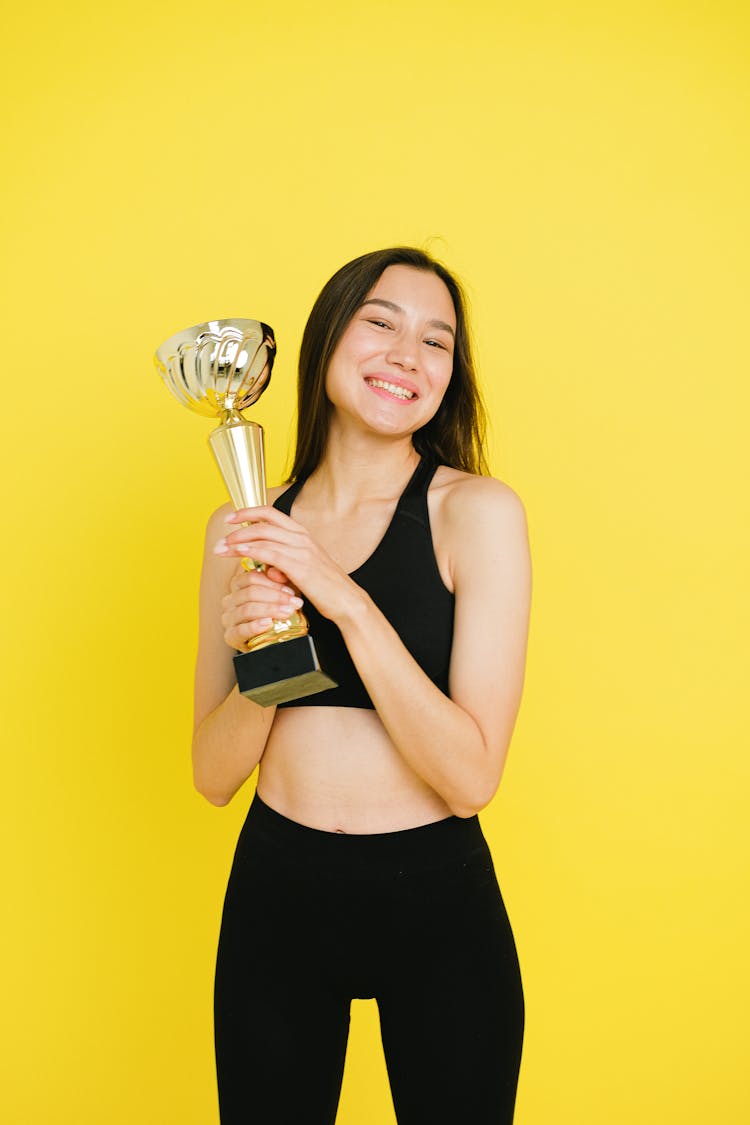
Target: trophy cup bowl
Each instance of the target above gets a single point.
(219, 369)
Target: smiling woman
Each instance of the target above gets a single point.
(362, 869)
(399, 355)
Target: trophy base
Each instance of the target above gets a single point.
(280, 672)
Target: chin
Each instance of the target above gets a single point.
(390, 426)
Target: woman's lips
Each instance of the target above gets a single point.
(395, 390)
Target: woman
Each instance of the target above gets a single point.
(361, 870)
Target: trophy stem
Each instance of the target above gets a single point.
(237, 447)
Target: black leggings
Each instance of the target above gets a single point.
(413, 918)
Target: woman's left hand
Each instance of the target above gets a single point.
(276, 539)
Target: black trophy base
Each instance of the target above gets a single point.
(280, 672)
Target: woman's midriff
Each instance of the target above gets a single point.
(334, 768)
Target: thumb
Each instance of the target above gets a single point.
(277, 575)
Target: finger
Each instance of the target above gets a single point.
(281, 555)
(265, 531)
(272, 577)
(263, 512)
(238, 635)
(277, 575)
(257, 594)
(238, 613)
(272, 593)
(259, 626)
(247, 629)
(245, 542)
(248, 579)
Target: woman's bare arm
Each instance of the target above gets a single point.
(459, 745)
(229, 731)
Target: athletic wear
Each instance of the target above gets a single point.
(402, 578)
(413, 918)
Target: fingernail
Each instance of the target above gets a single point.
(230, 518)
(296, 602)
(287, 589)
(221, 547)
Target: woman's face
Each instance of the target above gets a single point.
(394, 360)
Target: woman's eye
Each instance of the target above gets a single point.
(436, 344)
(379, 323)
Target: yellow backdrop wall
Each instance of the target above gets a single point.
(585, 168)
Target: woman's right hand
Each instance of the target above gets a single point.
(255, 599)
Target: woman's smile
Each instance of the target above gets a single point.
(393, 388)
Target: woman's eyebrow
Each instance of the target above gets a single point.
(397, 308)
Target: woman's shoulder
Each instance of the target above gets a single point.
(470, 495)
(276, 491)
(476, 518)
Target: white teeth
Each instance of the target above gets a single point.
(400, 392)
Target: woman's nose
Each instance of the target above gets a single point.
(403, 352)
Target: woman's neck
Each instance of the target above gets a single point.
(355, 470)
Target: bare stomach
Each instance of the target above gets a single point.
(335, 768)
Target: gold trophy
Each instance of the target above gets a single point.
(220, 369)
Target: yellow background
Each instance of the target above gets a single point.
(585, 167)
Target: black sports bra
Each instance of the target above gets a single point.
(402, 578)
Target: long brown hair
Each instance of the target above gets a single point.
(454, 436)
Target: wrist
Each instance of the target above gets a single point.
(356, 610)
